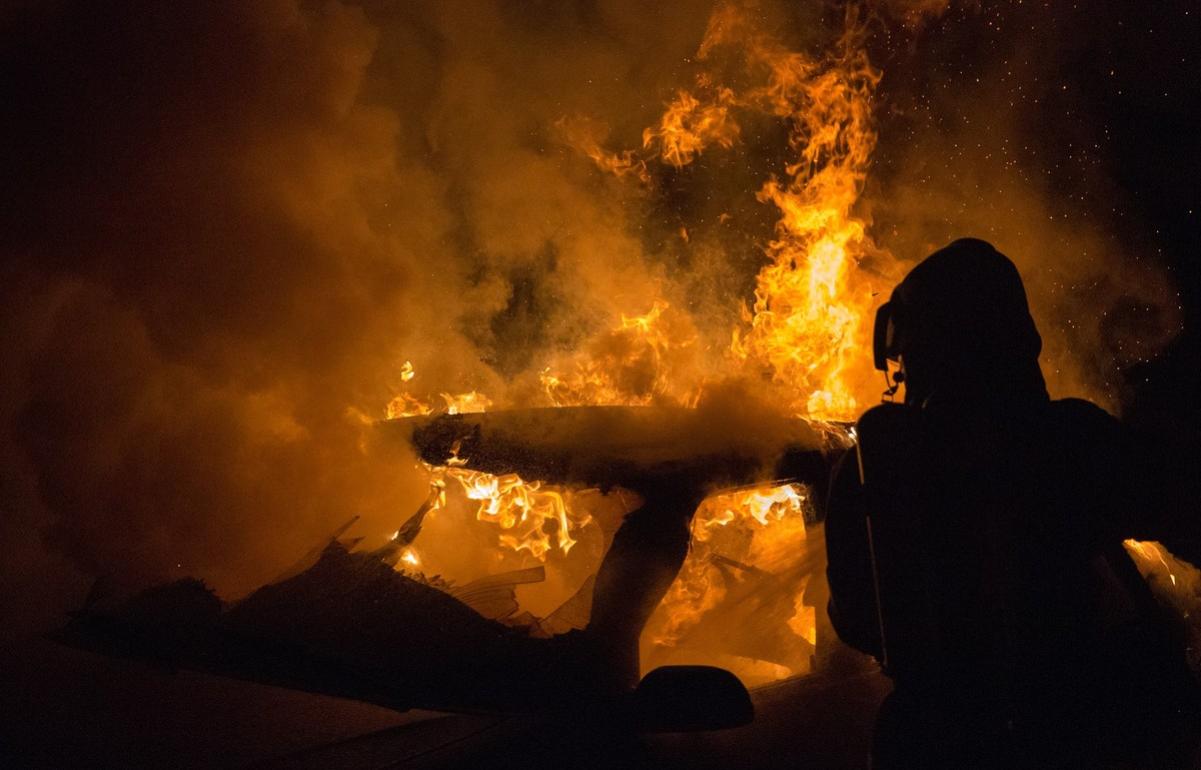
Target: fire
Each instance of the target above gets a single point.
(408, 405)
(582, 135)
(806, 332)
(770, 503)
(808, 327)
(531, 518)
(635, 364)
(466, 403)
(689, 126)
(752, 513)
(808, 324)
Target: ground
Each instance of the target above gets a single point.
(67, 708)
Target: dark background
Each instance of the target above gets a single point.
(1111, 116)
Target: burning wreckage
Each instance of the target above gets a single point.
(364, 624)
(369, 624)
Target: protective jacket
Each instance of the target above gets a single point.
(975, 533)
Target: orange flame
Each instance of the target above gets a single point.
(582, 135)
(531, 518)
(406, 405)
(698, 588)
(808, 326)
(807, 329)
(689, 126)
(635, 364)
(808, 323)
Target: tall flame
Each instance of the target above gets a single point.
(806, 331)
(807, 326)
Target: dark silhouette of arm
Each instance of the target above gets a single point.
(1150, 485)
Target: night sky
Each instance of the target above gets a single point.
(1109, 100)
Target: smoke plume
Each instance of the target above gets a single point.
(228, 226)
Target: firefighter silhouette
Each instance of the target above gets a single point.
(974, 538)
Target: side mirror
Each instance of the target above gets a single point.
(691, 699)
